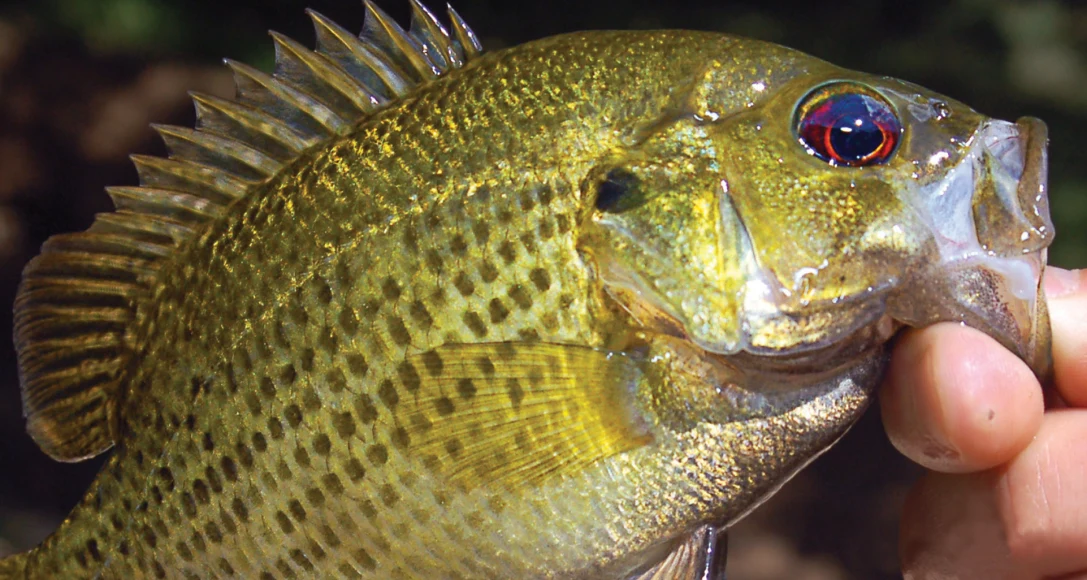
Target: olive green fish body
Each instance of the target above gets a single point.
(266, 422)
(424, 346)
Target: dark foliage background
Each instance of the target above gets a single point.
(81, 79)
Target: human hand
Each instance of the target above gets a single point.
(1007, 497)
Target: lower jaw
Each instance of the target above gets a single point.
(865, 339)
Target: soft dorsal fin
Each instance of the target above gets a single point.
(78, 298)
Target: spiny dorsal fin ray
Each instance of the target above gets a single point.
(263, 131)
(466, 39)
(180, 207)
(298, 65)
(220, 152)
(78, 298)
(365, 63)
(382, 31)
(302, 111)
(431, 36)
(179, 174)
(158, 231)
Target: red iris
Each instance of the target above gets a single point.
(848, 127)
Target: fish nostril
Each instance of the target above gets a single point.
(940, 109)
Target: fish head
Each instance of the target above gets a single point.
(820, 211)
(771, 234)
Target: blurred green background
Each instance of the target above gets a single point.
(81, 79)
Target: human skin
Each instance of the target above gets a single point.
(1006, 498)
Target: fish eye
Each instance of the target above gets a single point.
(618, 192)
(847, 124)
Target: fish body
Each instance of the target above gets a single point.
(565, 310)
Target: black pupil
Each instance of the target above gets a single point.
(849, 128)
(855, 136)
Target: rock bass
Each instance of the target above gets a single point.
(404, 309)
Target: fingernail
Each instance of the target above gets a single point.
(1059, 282)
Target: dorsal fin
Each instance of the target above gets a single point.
(78, 298)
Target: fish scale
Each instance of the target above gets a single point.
(375, 317)
(362, 290)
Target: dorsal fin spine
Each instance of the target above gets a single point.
(184, 175)
(384, 32)
(464, 35)
(220, 152)
(77, 301)
(299, 65)
(369, 65)
(151, 228)
(175, 205)
(431, 36)
(225, 118)
(305, 113)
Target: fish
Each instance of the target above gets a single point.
(407, 309)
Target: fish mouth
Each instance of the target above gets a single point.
(991, 226)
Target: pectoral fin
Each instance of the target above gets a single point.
(700, 556)
(513, 414)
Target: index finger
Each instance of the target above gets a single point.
(954, 400)
(1066, 295)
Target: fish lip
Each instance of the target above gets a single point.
(1034, 345)
(774, 385)
(1033, 184)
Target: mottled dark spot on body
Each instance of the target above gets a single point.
(387, 393)
(344, 424)
(408, 376)
(377, 454)
(475, 324)
(497, 310)
(355, 470)
(356, 364)
(293, 415)
(398, 331)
